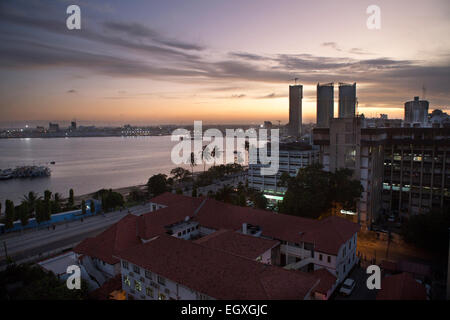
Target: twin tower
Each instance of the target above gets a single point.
(325, 105)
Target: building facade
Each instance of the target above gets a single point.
(347, 100)
(292, 157)
(325, 104)
(295, 110)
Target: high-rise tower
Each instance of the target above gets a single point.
(347, 100)
(295, 110)
(325, 104)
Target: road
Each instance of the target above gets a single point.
(35, 242)
(360, 292)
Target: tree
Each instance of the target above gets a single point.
(83, 207)
(224, 194)
(136, 195)
(56, 204)
(157, 184)
(428, 231)
(92, 207)
(192, 164)
(180, 174)
(71, 201)
(32, 199)
(313, 191)
(259, 200)
(47, 205)
(9, 214)
(24, 213)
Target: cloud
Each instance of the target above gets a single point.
(138, 30)
(72, 91)
(332, 45)
(272, 95)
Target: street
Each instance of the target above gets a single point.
(35, 242)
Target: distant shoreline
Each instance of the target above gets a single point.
(88, 136)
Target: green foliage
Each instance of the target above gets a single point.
(313, 191)
(9, 214)
(110, 200)
(23, 213)
(92, 207)
(71, 200)
(83, 207)
(428, 231)
(137, 195)
(157, 184)
(180, 174)
(30, 282)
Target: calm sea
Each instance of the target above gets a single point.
(84, 164)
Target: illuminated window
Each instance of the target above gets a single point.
(161, 297)
(137, 285)
(126, 280)
(149, 292)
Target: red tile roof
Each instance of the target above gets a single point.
(328, 235)
(246, 246)
(327, 280)
(118, 237)
(401, 287)
(109, 286)
(153, 223)
(216, 273)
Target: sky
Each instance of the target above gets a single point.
(161, 62)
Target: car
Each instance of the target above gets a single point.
(347, 287)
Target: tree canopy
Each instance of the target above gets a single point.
(157, 184)
(313, 192)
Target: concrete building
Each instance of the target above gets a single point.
(347, 100)
(416, 112)
(325, 104)
(295, 110)
(345, 145)
(292, 157)
(403, 171)
(199, 248)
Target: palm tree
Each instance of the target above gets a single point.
(32, 198)
(193, 164)
(224, 194)
(205, 155)
(56, 202)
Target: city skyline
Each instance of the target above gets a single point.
(152, 63)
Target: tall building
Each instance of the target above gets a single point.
(325, 104)
(295, 110)
(347, 100)
(404, 171)
(416, 111)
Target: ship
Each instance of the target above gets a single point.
(25, 172)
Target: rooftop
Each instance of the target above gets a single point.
(237, 243)
(216, 273)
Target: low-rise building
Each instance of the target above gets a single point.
(175, 251)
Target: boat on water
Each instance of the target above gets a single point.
(25, 172)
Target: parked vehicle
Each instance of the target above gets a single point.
(347, 287)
